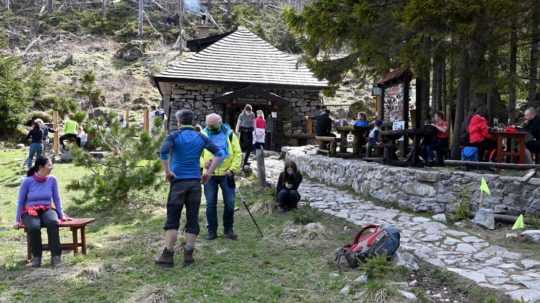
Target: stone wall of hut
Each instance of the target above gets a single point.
(198, 97)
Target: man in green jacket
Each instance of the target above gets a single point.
(222, 136)
(71, 127)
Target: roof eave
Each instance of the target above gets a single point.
(158, 79)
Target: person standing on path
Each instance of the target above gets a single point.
(34, 209)
(259, 134)
(184, 174)
(36, 145)
(222, 136)
(245, 126)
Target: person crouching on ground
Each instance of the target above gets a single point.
(34, 210)
(287, 187)
(183, 172)
(222, 136)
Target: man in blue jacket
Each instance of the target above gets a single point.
(183, 172)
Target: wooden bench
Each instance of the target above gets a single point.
(327, 140)
(74, 225)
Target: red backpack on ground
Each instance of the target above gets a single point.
(371, 240)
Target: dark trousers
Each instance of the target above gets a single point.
(70, 137)
(211, 193)
(483, 147)
(48, 219)
(288, 198)
(188, 193)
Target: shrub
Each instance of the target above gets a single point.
(463, 210)
(131, 165)
(79, 117)
(35, 115)
(55, 103)
(306, 215)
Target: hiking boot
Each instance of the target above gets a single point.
(166, 259)
(56, 260)
(230, 235)
(188, 256)
(211, 236)
(36, 262)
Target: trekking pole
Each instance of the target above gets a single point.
(249, 212)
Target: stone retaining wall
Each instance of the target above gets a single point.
(435, 190)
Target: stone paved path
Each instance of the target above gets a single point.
(436, 243)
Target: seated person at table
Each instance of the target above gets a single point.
(34, 209)
(440, 143)
(361, 120)
(287, 187)
(323, 124)
(532, 126)
(374, 137)
(479, 135)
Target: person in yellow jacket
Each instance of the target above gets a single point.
(222, 136)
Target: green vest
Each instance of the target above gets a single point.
(70, 127)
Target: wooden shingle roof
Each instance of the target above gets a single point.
(242, 57)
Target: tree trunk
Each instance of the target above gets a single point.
(179, 42)
(462, 97)
(141, 18)
(436, 102)
(533, 67)
(8, 5)
(49, 6)
(104, 8)
(511, 109)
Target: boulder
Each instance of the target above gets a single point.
(531, 235)
(406, 260)
(440, 218)
(130, 52)
(485, 218)
(20, 146)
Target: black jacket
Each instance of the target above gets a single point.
(323, 124)
(533, 127)
(36, 134)
(293, 180)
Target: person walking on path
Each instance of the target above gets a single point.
(259, 134)
(71, 128)
(287, 187)
(34, 208)
(245, 126)
(222, 136)
(184, 174)
(36, 146)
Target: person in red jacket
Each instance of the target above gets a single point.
(479, 135)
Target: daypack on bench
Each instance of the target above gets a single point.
(371, 240)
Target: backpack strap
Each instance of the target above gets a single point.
(366, 227)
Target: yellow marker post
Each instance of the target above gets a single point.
(519, 224)
(484, 186)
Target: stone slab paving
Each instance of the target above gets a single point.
(474, 258)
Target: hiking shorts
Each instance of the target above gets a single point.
(184, 193)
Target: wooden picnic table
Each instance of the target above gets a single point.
(390, 136)
(504, 139)
(359, 138)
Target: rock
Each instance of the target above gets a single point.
(407, 295)
(420, 220)
(531, 235)
(334, 275)
(493, 272)
(20, 146)
(451, 241)
(129, 52)
(413, 283)
(528, 295)
(473, 275)
(345, 290)
(406, 260)
(465, 248)
(529, 264)
(440, 218)
(455, 233)
(361, 279)
(472, 239)
(419, 189)
(68, 60)
(485, 218)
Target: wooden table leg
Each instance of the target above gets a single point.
(500, 152)
(75, 241)
(522, 147)
(83, 240)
